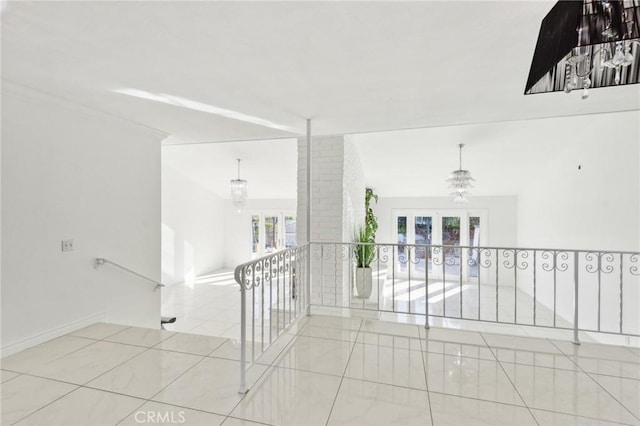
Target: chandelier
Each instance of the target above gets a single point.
(587, 44)
(238, 192)
(459, 181)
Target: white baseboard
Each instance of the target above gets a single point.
(23, 344)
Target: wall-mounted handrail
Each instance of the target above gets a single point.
(101, 261)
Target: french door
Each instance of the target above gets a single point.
(272, 231)
(448, 228)
(413, 229)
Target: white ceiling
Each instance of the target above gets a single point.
(210, 71)
(504, 158)
(220, 71)
(269, 167)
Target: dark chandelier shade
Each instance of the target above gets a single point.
(587, 44)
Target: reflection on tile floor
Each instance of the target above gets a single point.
(209, 306)
(326, 371)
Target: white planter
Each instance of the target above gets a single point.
(364, 282)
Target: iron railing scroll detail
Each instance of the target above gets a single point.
(574, 290)
(274, 293)
(591, 291)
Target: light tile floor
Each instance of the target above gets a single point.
(207, 306)
(327, 371)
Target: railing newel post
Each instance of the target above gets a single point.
(308, 214)
(427, 250)
(243, 336)
(308, 278)
(576, 301)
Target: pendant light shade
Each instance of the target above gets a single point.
(460, 181)
(238, 192)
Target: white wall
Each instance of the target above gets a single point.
(596, 207)
(501, 229)
(70, 173)
(237, 240)
(192, 227)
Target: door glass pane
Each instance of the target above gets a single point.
(423, 236)
(255, 233)
(289, 231)
(402, 239)
(451, 237)
(270, 233)
(474, 241)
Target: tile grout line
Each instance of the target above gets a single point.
(564, 356)
(208, 354)
(85, 384)
(491, 401)
(360, 380)
(353, 346)
(191, 328)
(279, 367)
(594, 380)
(424, 367)
(72, 334)
(46, 405)
(611, 395)
(146, 400)
(628, 348)
(580, 416)
(17, 374)
(75, 384)
(244, 420)
(270, 366)
(148, 348)
(153, 348)
(487, 400)
(579, 369)
(511, 381)
(350, 378)
(111, 369)
(306, 325)
(59, 357)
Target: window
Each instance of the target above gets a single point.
(474, 241)
(271, 232)
(451, 237)
(422, 232)
(459, 229)
(289, 231)
(255, 233)
(402, 239)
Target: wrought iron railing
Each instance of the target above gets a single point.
(274, 289)
(577, 290)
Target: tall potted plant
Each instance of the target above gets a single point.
(365, 239)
